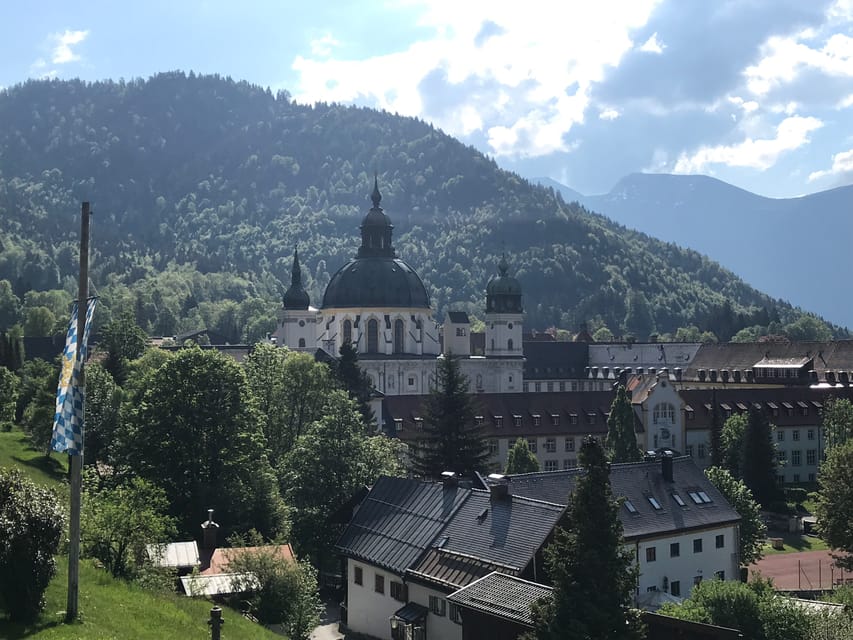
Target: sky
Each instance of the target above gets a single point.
(756, 93)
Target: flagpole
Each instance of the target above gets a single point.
(76, 461)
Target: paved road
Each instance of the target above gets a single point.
(328, 629)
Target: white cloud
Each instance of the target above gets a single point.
(322, 47)
(783, 59)
(653, 45)
(845, 102)
(842, 164)
(757, 153)
(525, 86)
(609, 114)
(62, 53)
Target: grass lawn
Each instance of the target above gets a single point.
(795, 542)
(16, 451)
(114, 609)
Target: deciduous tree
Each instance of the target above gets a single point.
(834, 508)
(837, 420)
(731, 439)
(521, 459)
(752, 529)
(123, 341)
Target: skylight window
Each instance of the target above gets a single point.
(678, 500)
(695, 497)
(704, 497)
(630, 507)
(653, 501)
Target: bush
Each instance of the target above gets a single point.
(31, 525)
(796, 495)
(779, 506)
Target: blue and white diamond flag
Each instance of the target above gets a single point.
(68, 419)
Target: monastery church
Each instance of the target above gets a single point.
(378, 303)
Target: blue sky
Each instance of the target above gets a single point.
(756, 93)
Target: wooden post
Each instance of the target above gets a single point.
(215, 623)
(76, 461)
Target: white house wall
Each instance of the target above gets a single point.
(438, 627)
(368, 612)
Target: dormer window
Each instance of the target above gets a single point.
(419, 424)
(516, 420)
(499, 421)
(398, 424)
(537, 420)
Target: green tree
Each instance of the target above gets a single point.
(603, 334)
(837, 421)
(639, 319)
(103, 401)
(355, 381)
(119, 521)
(731, 440)
(326, 466)
(281, 591)
(588, 563)
(808, 327)
(123, 341)
(759, 458)
(834, 507)
(688, 334)
(10, 306)
(452, 440)
(11, 349)
(621, 440)
(37, 418)
(8, 397)
(39, 322)
(521, 459)
(752, 529)
(718, 452)
(31, 523)
(194, 430)
(754, 608)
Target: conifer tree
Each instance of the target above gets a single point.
(354, 380)
(592, 573)
(520, 459)
(716, 433)
(621, 441)
(759, 458)
(452, 441)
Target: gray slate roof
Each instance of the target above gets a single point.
(636, 482)
(555, 360)
(502, 596)
(398, 521)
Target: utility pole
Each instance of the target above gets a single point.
(76, 460)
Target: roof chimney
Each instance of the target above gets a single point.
(750, 375)
(209, 530)
(736, 374)
(679, 373)
(830, 377)
(449, 479)
(843, 377)
(498, 486)
(666, 466)
(813, 376)
(713, 375)
(701, 373)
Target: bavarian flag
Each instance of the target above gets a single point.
(68, 419)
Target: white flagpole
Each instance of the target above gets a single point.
(76, 461)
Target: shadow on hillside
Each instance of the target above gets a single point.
(48, 465)
(17, 630)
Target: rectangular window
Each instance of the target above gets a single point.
(398, 424)
(455, 613)
(550, 386)
(811, 477)
(499, 421)
(674, 549)
(573, 418)
(460, 332)
(437, 605)
(781, 456)
(537, 420)
(478, 420)
(811, 457)
(551, 445)
(532, 445)
(700, 450)
(574, 385)
(651, 554)
(358, 575)
(720, 541)
(653, 501)
(493, 447)
(678, 500)
(570, 463)
(690, 415)
(810, 434)
(570, 444)
(562, 386)
(379, 584)
(555, 420)
(537, 386)
(795, 458)
(516, 420)
(780, 435)
(590, 418)
(419, 424)
(550, 465)
(795, 435)
(398, 591)
(675, 587)
(697, 545)
(411, 381)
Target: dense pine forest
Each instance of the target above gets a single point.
(202, 186)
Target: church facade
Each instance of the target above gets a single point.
(377, 303)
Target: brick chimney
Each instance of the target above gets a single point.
(498, 486)
(209, 530)
(666, 466)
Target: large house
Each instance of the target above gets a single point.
(412, 547)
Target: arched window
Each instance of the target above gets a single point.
(493, 343)
(509, 344)
(347, 331)
(398, 336)
(663, 414)
(372, 336)
(301, 343)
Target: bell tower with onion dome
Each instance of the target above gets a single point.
(297, 322)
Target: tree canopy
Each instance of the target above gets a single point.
(521, 459)
(621, 439)
(752, 528)
(834, 507)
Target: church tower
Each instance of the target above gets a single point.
(504, 314)
(297, 320)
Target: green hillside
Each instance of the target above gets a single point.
(201, 187)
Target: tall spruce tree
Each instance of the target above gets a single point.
(587, 563)
(355, 381)
(716, 432)
(452, 441)
(621, 442)
(759, 458)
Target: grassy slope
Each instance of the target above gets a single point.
(109, 608)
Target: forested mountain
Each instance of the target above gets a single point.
(202, 186)
(791, 247)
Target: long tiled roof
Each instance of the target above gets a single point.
(398, 521)
(826, 356)
(503, 596)
(637, 482)
(555, 360)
